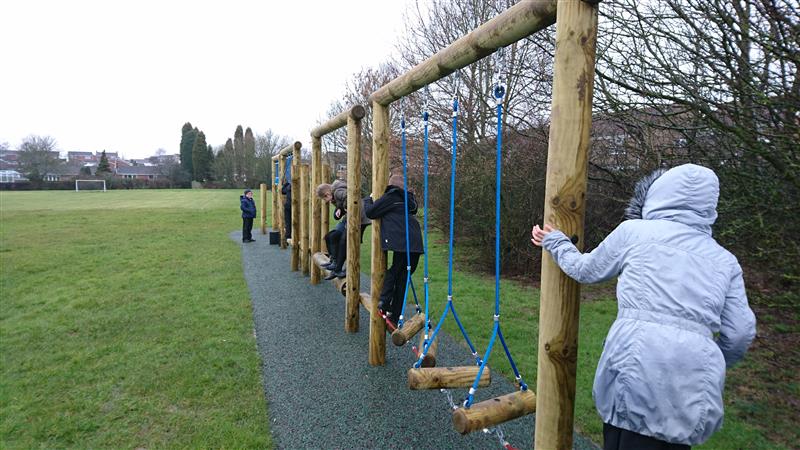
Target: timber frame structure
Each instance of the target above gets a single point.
(565, 193)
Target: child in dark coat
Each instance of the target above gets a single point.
(390, 208)
(248, 207)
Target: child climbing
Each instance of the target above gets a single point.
(659, 380)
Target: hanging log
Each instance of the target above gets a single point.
(447, 377)
(430, 356)
(366, 301)
(410, 329)
(494, 411)
(320, 260)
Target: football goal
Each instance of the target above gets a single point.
(90, 185)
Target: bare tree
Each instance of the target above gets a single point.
(38, 156)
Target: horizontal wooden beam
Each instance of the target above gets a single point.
(494, 411)
(410, 328)
(285, 151)
(446, 377)
(515, 23)
(357, 112)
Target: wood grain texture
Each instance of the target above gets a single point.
(353, 223)
(565, 193)
(447, 377)
(380, 176)
(494, 411)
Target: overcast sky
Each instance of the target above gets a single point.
(126, 76)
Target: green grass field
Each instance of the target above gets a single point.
(125, 323)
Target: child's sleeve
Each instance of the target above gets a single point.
(738, 323)
(378, 208)
(602, 263)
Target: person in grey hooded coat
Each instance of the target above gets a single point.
(683, 315)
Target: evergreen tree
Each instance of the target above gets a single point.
(238, 154)
(200, 162)
(103, 166)
(249, 155)
(188, 135)
(210, 159)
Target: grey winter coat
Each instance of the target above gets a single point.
(662, 370)
(339, 193)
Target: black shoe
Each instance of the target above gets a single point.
(340, 274)
(329, 266)
(331, 276)
(251, 240)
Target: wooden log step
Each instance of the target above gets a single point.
(289, 241)
(320, 259)
(410, 328)
(446, 377)
(366, 301)
(494, 411)
(430, 357)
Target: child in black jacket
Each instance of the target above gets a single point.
(248, 207)
(390, 209)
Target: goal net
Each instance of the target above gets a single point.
(90, 185)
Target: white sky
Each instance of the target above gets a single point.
(126, 76)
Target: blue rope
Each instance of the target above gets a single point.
(450, 306)
(277, 173)
(409, 281)
(288, 174)
(425, 274)
(499, 92)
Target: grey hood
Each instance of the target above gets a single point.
(687, 194)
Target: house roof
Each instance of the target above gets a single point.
(138, 170)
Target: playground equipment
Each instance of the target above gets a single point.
(564, 206)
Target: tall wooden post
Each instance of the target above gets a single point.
(295, 263)
(263, 187)
(325, 211)
(281, 216)
(303, 241)
(275, 192)
(316, 217)
(353, 221)
(380, 177)
(565, 193)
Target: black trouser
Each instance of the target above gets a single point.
(247, 228)
(332, 243)
(341, 247)
(618, 439)
(394, 284)
(287, 220)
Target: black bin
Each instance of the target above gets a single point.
(274, 238)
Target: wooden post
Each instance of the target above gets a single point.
(380, 177)
(325, 212)
(275, 193)
(565, 193)
(263, 197)
(303, 241)
(316, 207)
(353, 221)
(489, 413)
(447, 377)
(281, 216)
(295, 263)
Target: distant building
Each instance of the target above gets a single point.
(138, 172)
(80, 157)
(11, 176)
